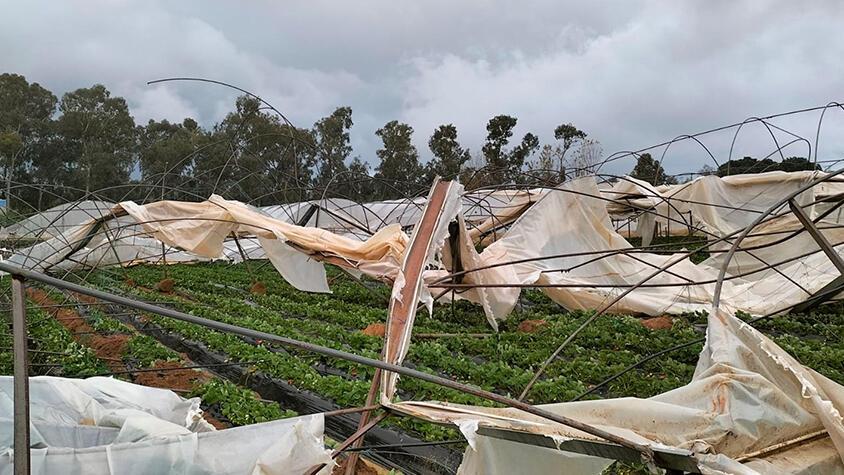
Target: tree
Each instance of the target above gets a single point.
(796, 164)
(166, 151)
(100, 131)
(449, 156)
(25, 117)
(586, 158)
(649, 170)
(505, 166)
(332, 146)
(707, 170)
(569, 135)
(361, 186)
(747, 165)
(548, 169)
(252, 150)
(399, 164)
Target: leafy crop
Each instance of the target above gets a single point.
(238, 405)
(503, 362)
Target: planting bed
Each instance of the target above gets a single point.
(504, 362)
(70, 339)
(455, 342)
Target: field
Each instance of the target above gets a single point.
(455, 342)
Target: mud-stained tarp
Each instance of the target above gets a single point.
(747, 395)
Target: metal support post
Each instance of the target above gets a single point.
(819, 238)
(21, 378)
(824, 293)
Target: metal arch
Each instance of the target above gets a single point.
(716, 300)
(832, 104)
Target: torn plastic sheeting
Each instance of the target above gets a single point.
(583, 282)
(202, 228)
(717, 205)
(491, 456)
(103, 425)
(57, 220)
(443, 205)
(747, 395)
(483, 210)
(116, 243)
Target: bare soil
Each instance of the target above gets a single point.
(375, 329)
(531, 326)
(658, 323)
(110, 350)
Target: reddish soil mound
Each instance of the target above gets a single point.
(165, 286)
(531, 326)
(363, 467)
(658, 323)
(375, 329)
(258, 288)
(171, 376)
(109, 348)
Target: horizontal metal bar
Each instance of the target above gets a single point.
(330, 352)
(410, 444)
(21, 378)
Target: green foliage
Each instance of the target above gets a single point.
(796, 164)
(398, 173)
(649, 170)
(165, 151)
(449, 156)
(503, 165)
(331, 138)
(239, 405)
(147, 350)
(25, 112)
(568, 134)
(752, 165)
(251, 149)
(71, 358)
(98, 129)
(503, 362)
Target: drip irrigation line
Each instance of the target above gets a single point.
(634, 366)
(399, 446)
(646, 451)
(162, 370)
(59, 353)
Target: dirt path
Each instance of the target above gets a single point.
(110, 349)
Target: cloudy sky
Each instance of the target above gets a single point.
(630, 73)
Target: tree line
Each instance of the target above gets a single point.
(650, 169)
(53, 150)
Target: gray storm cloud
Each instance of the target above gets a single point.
(629, 73)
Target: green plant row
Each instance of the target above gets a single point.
(239, 405)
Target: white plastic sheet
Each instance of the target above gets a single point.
(573, 222)
(747, 395)
(102, 425)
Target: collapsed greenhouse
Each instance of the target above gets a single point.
(765, 245)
